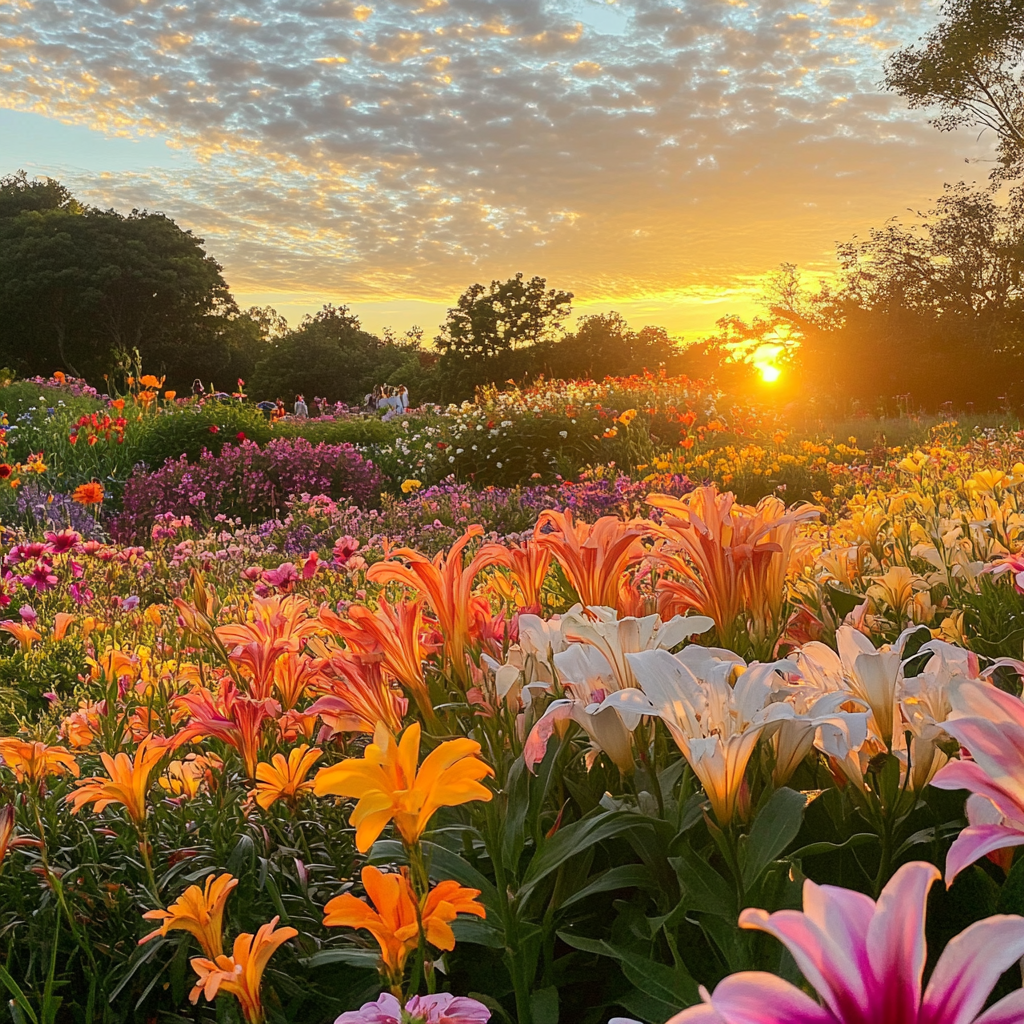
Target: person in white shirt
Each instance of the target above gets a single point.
(301, 409)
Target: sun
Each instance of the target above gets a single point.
(770, 373)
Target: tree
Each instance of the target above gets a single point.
(971, 65)
(331, 356)
(79, 285)
(604, 345)
(488, 325)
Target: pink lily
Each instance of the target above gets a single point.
(989, 723)
(866, 962)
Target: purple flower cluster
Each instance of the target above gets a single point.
(246, 481)
(41, 509)
(75, 386)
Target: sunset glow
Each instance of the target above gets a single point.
(658, 158)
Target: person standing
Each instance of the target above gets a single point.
(301, 409)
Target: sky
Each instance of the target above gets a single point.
(656, 157)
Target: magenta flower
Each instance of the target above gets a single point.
(866, 962)
(442, 1008)
(989, 723)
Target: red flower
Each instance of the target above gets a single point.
(442, 445)
(240, 436)
(214, 429)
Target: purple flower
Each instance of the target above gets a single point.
(442, 1008)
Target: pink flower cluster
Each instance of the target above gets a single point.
(442, 1008)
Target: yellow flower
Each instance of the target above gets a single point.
(627, 417)
(411, 485)
(285, 780)
(128, 781)
(388, 784)
(199, 912)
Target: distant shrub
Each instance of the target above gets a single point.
(190, 431)
(245, 481)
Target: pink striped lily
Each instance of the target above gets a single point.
(989, 723)
(866, 962)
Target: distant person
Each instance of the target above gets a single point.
(279, 412)
(403, 394)
(197, 387)
(301, 409)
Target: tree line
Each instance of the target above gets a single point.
(927, 309)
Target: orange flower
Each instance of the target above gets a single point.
(529, 564)
(88, 494)
(594, 558)
(392, 920)
(149, 381)
(81, 726)
(61, 623)
(59, 376)
(447, 587)
(170, 396)
(117, 403)
(285, 780)
(396, 633)
(185, 778)
(23, 633)
(199, 912)
(388, 784)
(128, 781)
(357, 696)
(33, 761)
(241, 973)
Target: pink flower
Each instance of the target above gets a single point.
(989, 723)
(310, 566)
(866, 961)
(28, 614)
(443, 1008)
(344, 548)
(284, 576)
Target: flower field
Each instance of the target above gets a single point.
(582, 703)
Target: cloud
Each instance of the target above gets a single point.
(648, 148)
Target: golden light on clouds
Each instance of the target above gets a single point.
(653, 156)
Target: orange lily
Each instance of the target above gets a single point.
(199, 912)
(238, 721)
(358, 698)
(33, 761)
(593, 558)
(241, 974)
(728, 559)
(7, 836)
(285, 780)
(396, 633)
(184, 779)
(61, 623)
(529, 564)
(81, 726)
(394, 919)
(23, 633)
(388, 784)
(128, 781)
(447, 587)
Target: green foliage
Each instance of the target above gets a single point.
(188, 432)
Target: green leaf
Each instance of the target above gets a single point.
(815, 849)
(842, 601)
(704, 889)
(625, 876)
(514, 831)
(441, 862)
(773, 830)
(574, 839)
(480, 933)
(672, 985)
(366, 958)
(544, 1005)
(19, 996)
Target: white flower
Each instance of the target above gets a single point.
(563, 433)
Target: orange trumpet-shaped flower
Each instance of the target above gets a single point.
(128, 781)
(238, 721)
(529, 564)
(199, 912)
(388, 784)
(33, 761)
(23, 633)
(184, 779)
(357, 696)
(728, 559)
(593, 558)
(447, 586)
(396, 632)
(280, 617)
(241, 974)
(392, 920)
(285, 779)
